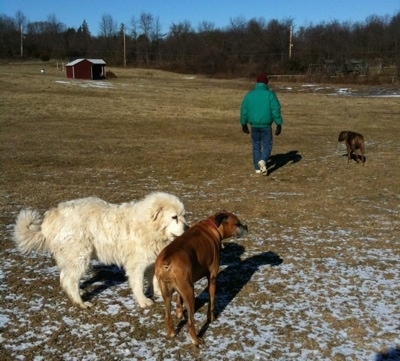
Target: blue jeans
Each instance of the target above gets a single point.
(262, 144)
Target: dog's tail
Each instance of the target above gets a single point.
(27, 233)
(163, 272)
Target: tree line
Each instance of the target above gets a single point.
(241, 49)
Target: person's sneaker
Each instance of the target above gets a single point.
(258, 171)
(263, 167)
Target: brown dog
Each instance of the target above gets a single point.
(353, 142)
(194, 255)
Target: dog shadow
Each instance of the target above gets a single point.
(233, 278)
(238, 273)
(277, 161)
(107, 275)
(391, 355)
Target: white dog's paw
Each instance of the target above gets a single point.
(156, 290)
(85, 305)
(145, 302)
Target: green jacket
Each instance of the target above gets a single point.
(260, 107)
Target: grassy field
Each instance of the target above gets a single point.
(318, 276)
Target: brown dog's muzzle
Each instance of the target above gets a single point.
(241, 230)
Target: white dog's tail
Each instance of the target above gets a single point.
(28, 231)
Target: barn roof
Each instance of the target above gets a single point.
(93, 61)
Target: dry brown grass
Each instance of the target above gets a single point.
(154, 130)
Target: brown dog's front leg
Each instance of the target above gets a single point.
(349, 151)
(212, 286)
(362, 150)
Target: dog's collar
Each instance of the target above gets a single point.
(209, 221)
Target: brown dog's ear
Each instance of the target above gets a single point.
(220, 217)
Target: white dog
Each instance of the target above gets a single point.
(129, 235)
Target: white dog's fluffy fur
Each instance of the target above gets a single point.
(129, 235)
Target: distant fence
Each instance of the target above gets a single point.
(372, 77)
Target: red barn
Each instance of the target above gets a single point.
(86, 69)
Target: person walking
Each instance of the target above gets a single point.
(260, 108)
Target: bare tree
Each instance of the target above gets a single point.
(394, 30)
(108, 26)
(205, 27)
(241, 48)
(134, 28)
(108, 33)
(236, 38)
(146, 36)
(157, 38)
(9, 37)
(156, 29)
(146, 24)
(181, 43)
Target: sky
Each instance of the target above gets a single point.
(217, 12)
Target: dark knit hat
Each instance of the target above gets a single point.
(262, 78)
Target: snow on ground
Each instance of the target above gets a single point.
(250, 329)
(371, 91)
(297, 305)
(378, 91)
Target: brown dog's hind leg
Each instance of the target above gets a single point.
(166, 292)
(187, 295)
(179, 306)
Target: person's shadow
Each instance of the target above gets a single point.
(277, 161)
(233, 278)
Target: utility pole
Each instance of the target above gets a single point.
(290, 41)
(22, 42)
(123, 36)
(124, 49)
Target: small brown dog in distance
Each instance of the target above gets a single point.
(353, 142)
(194, 255)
